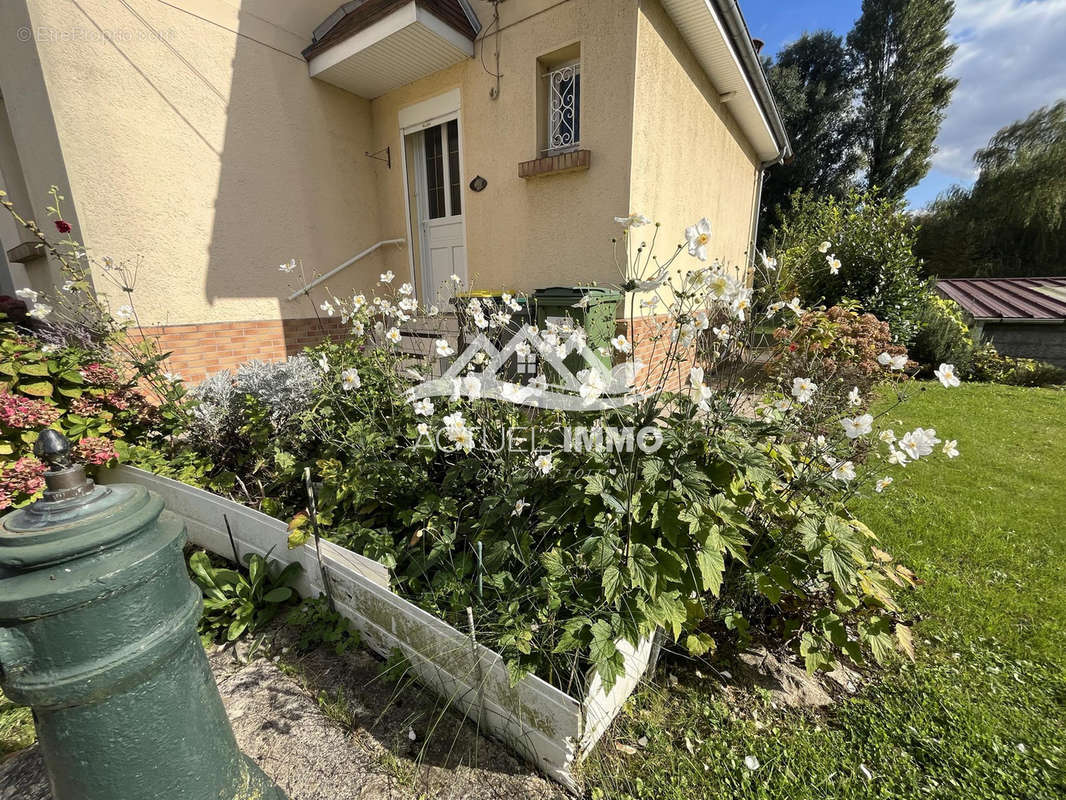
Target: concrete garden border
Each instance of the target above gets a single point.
(545, 726)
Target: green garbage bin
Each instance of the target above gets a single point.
(517, 368)
(557, 304)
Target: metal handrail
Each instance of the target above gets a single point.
(346, 264)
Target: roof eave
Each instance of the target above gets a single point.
(728, 12)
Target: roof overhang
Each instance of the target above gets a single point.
(370, 48)
(717, 35)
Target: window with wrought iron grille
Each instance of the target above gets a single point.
(564, 108)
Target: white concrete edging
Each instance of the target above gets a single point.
(545, 726)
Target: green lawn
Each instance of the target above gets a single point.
(982, 713)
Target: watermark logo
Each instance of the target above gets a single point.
(592, 387)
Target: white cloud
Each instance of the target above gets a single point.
(1011, 61)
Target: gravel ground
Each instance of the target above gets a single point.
(331, 727)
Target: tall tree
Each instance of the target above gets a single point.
(901, 52)
(1012, 222)
(815, 90)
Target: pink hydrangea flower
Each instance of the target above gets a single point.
(25, 412)
(20, 480)
(95, 450)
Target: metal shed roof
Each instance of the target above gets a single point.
(1008, 298)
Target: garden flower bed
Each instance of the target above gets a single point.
(545, 726)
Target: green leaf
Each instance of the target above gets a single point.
(612, 583)
(711, 565)
(38, 389)
(642, 567)
(40, 369)
(279, 595)
(699, 643)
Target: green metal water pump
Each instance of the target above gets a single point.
(98, 635)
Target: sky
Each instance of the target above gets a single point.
(1011, 61)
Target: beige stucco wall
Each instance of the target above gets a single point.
(196, 142)
(690, 159)
(525, 234)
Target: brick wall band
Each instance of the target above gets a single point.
(201, 349)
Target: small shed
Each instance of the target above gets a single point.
(1022, 317)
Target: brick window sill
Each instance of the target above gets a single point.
(573, 161)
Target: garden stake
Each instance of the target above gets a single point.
(480, 572)
(98, 636)
(312, 507)
(232, 541)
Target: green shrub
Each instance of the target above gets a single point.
(838, 349)
(236, 603)
(943, 336)
(872, 239)
(319, 625)
(991, 367)
(86, 394)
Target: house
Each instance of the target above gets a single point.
(211, 141)
(1021, 317)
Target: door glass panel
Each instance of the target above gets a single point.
(434, 173)
(453, 166)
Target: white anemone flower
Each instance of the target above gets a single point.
(393, 335)
(834, 264)
(621, 344)
(898, 362)
(854, 398)
(897, 457)
(327, 307)
(350, 379)
(824, 247)
(794, 306)
(543, 462)
(523, 349)
(423, 407)
(387, 277)
(592, 384)
(854, 427)
(520, 505)
(124, 313)
(951, 448)
(888, 436)
(423, 429)
(40, 311)
(698, 237)
(288, 267)
(29, 295)
(472, 387)
(770, 264)
(456, 279)
(803, 389)
(882, 484)
(946, 374)
(444, 349)
(454, 421)
(918, 443)
(512, 392)
(323, 362)
(407, 289)
(480, 320)
(844, 471)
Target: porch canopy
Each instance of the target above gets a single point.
(370, 47)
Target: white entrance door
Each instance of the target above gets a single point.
(440, 210)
